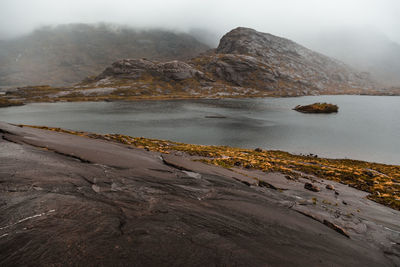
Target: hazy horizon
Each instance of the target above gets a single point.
(289, 18)
(362, 34)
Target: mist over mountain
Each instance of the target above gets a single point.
(66, 54)
(246, 62)
(199, 133)
(365, 49)
(209, 37)
(309, 22)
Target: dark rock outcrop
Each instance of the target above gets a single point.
(246, 58)
(238, 70)
(143, 68)
(311, 187)
(330, 187)
(263, 60)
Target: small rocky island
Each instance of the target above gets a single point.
(317, 108)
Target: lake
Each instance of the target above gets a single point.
(366, 127)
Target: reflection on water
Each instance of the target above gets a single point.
(366, 127)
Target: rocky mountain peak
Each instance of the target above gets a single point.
(248, 59)
(248, 41)
(290, 59)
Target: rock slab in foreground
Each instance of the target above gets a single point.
(89, 202)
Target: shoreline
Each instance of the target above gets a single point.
(94, 100)
(48, 94)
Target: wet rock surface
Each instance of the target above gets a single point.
(68, 200)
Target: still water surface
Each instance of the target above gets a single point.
(366, 127)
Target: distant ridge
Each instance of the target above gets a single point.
(245, 59)
(66, 54)
(365, 49)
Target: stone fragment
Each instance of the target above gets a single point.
(330, 187)
(311, 187)
(336, 228)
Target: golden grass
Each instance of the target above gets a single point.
(128, 90)
(148, 87)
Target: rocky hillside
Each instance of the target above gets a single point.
(66, 54)
(249, 58)
(244, 61)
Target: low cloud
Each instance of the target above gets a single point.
(289, 18)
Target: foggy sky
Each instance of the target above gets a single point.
(288, 18)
